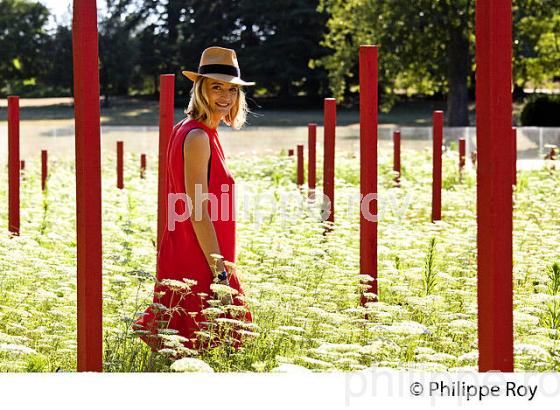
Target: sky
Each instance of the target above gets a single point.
(61, 9)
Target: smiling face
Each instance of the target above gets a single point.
(221, 96)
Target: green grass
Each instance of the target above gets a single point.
(301, 283)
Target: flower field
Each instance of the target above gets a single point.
(301, 281)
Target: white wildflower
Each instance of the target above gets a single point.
(190, 364)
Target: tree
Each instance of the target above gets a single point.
(58, 54)
(22, 37)
(423, 47)
(117, 48)
(536, 42)
(427, 46)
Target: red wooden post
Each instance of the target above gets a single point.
(290, 152)
(312, 159)
(437, 132)
(368, 167)
(397, 155)
(88, 185)
(44, 169)
(300, 177)
(494, 188)
(166, 119)
(462, 153)
(14, 164)
(328, 167)
(142, 166)
(514, 155)
(120, 161)
(22, 165)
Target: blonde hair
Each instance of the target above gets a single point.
(199, 109)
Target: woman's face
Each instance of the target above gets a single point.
(221, 96)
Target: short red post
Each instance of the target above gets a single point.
(22, 165)
(462, 153)
(290, 152)
(44, 169)
(493, 21)
(312, 159)
(437, 132)
(142, 166)
(120, 163)
(88, 185)
(14, 164)
(514, 155)
(397, 156)
(368, 168)
(328, 167)
(166, 120)
(300, 177)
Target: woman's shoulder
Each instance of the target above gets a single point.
(190, 124)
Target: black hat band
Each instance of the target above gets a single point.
(219, 69)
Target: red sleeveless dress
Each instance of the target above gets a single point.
(180, 255)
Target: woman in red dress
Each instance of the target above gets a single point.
(200, 215)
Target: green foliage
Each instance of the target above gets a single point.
(536, 33)
(22, 41)
(429, 274)
(427, 47)
(542, 110)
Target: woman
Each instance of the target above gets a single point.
(195, 167)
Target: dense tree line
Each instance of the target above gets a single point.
(306, 48)
(141, 39)
(427, 46)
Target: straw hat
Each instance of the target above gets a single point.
(220, 64)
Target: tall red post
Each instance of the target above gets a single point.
(88, 185)
(142, 166)
(494, 187)
(166, 119)
(462, 153)
(368, 167)
(312, 159)
(120, 164)
(328, 163)
(514, 155)
(437, 132)
(44, 169)
(300, 177)
(397, 155)
(14, 164)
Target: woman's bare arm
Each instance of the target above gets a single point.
(196, 151)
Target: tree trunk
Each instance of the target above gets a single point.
(457, 74)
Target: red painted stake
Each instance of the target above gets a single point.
(88, 185)
(462, 154)
(300, 177)
(290, 152)
(44, 169)
(14, 164)
(22, 165)
(397, 155)
(312, 159)
(328, 167)
(166, 119)
(494, 187)
(120, 161)
(437, 132)
(514, 155)
(368, 168)
(142, 166)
